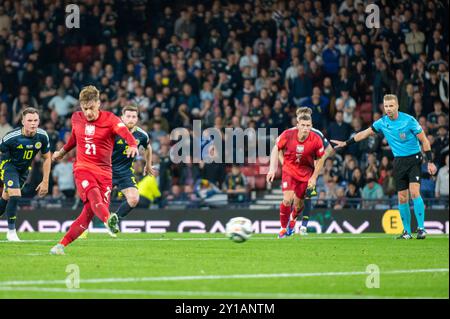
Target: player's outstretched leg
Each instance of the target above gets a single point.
(100, 209)
(285, 211)
(11, 212)
(75, 230)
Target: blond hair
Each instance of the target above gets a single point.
(390, 97)
(89, 93)
(304, 113)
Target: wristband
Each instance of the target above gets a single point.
(429, 156)
(350, 141)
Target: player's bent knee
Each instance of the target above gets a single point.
(403, 197)
(5, 195)
(415, 191)
(133, 200)
(287, 202)
(415, 194)
(14, 192)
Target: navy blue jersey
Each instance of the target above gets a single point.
(19, 150)
(324, 139)
(121, 164)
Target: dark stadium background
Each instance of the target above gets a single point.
(185, 60)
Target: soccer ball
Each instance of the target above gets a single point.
(239, 229)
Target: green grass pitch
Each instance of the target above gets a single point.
(210, 266)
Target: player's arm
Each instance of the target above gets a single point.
(321, 161)
(321, 154)
(273, 166)
(42, 188)
(148, 169)
(426, 147)
(71, 143)
(276, 155)
(281, 157)
(120, 129)
(360, 136)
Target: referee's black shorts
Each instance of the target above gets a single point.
(407, 169)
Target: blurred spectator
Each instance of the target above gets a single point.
(352, 194)
(443, 89)
(339, 130)
(341, 200)
(209, 192)
(415, 40)
(388, 183)
(347, 104)
(442, 183)
(5, 127)
(300, 86)
(63, 178)
(246, 64)
(62, 103)
(427, 183)
(235, 185)
(371, 192)
(441, 142)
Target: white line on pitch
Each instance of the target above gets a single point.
(219, 277)
(315, 237)
(204, 293)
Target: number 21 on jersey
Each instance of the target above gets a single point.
(90, 149)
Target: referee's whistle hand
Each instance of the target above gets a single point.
(432, 169)
(339, 144)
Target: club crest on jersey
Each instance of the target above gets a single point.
(38, 145)
(89, 129)
(300, 148)
(403, 136)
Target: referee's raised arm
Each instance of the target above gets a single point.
(355, 139)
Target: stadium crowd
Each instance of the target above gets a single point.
(246, 64)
